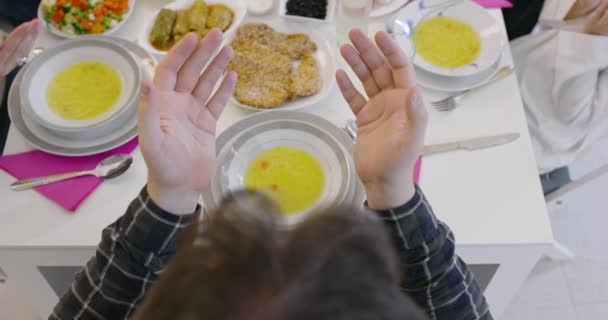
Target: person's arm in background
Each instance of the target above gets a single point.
(18, 12)
(580, 86)
(176, 124)
(17, 45)
(521, 19)
(390, 138)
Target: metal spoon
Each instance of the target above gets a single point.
(109, 168)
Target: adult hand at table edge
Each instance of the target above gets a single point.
(17, 45)
(392, 121)
(596, 23)
(177, 119)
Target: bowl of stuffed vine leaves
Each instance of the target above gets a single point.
(179, 18)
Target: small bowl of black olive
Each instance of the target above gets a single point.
(308, 10)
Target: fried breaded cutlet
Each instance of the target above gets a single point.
(257, 32)
(291, 45)
(263, 90)
(263, 62)
(295, 45)
(260, 84)
(306, 80)
(263, 56)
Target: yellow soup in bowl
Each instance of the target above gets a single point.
(291, 176)
(84, 90)
(447, 42)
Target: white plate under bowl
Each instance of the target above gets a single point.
(40, 72)
(488, 28)
(239, 145)
(329, 15)
(392, 6)
(455, 84)
(52, 29)
(238, 6)
(324, 57)
(88, 143)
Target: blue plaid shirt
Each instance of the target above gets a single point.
(135, 249)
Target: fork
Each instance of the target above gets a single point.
(450, 103)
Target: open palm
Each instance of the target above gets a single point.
(392, 120)
(17, 45)
(178, 115)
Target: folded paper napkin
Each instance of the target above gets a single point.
(70, 193)
(494, 4)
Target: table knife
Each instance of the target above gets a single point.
(471, 144)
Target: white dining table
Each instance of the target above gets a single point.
(490, 198)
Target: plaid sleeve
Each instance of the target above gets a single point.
(133, 251)
(433, 275)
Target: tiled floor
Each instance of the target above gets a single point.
(576, 290)
(14, 307)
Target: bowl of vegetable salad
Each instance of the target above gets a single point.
(70, 18)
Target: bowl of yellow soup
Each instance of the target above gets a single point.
(293, 177)
(300, 160)
(457, 41)
(81, 85)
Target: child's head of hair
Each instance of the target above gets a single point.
(338, 265)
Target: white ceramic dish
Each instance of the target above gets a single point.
(40, 72)
(325, 58)
(90, 139)
(238, 6)
(52, 29)
(329, 16)
(238, 145)
(455, 84)
(91, 142)
(382, 10)
(259, 7)
(492, 41)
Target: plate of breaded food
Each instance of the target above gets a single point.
(280, 66)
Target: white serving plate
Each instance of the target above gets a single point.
(238, 145)
(329, 16)
(455, 84)
(93, 142)
(325, 58)
(388, 8)
(40, 72)
(488, 28)
(52, 29)
(238, 6)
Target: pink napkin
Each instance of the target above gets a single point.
(70, 193)
(494, 4)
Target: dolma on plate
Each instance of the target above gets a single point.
(182, 25)
(220, 16)
(202, 33)
(160, 37)
(197, 15)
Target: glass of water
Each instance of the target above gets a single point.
(352, 14)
